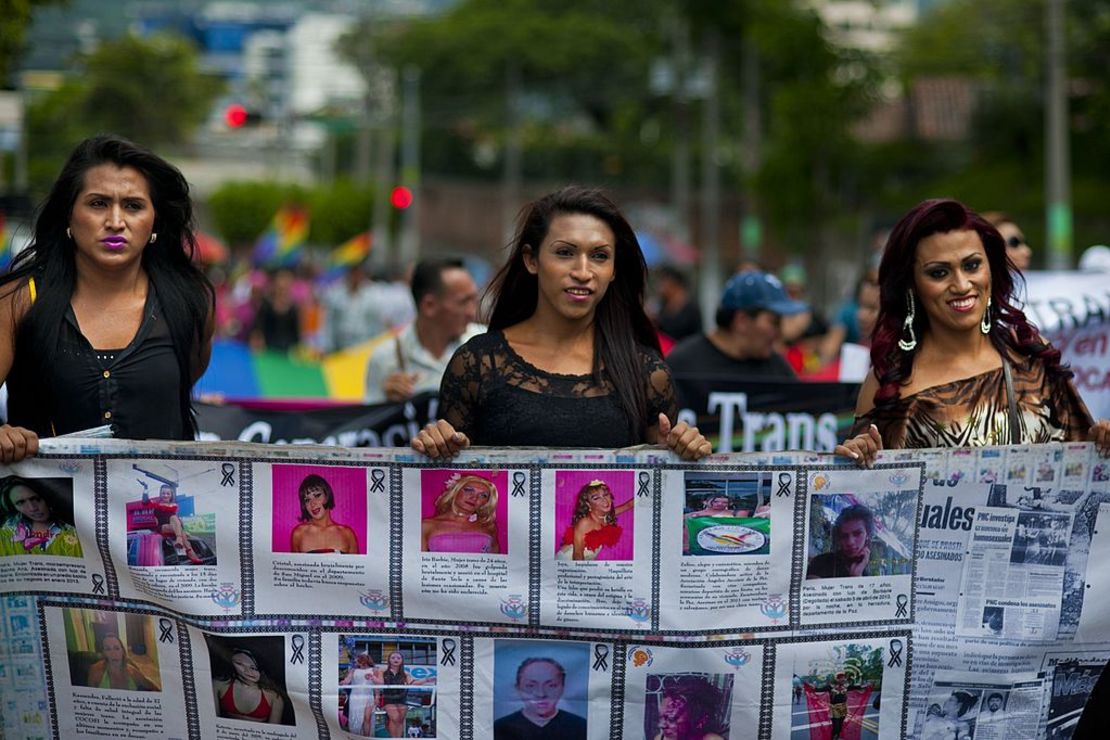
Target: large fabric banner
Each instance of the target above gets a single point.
(189, 590)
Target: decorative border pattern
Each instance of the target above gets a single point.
(466, 688)
(535, 541)
(767, 690)
(396, 549)
(616, 693)
(316, 683)
(188, 682)
(100, 504)
(48, 672)
(246, 538)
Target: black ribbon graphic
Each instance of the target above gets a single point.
(895, 653)
(784, 485)
(229, 474)
(298, 649)
(601, 657)
(448, 652)
(644, 477)
(98, 583)
(901, 601)
(165, 630)
(518, 484)
(377, 481)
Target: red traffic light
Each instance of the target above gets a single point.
(401, 197)
(235, 115)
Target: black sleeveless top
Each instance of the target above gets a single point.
(394, 696)
(496, 398)
(135, 389)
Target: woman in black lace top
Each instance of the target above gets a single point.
(570, 359)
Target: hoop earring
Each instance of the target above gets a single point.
(985, 324)
(153, 237)
(904, 344)
(69, 234)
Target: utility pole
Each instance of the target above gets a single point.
(751, 229)
(1058, 216)
(512, 176)
(385, 169)
(409, 242)
(709, 276)
(680, 163)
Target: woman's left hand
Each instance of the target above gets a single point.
(1100, 435)
(687, 442)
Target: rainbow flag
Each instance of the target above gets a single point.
(347, 255)
(352, 251)
(282, 243)
(5, 245)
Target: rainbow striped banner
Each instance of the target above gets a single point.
(281, 244)
(347, 255)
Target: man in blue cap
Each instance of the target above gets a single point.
(749, 319)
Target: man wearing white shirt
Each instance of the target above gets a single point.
(414, 361)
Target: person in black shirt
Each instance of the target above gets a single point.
(748, 325)
(679, 316)
(104, 318)
(570, 358)
(277, 325)
(540, 683)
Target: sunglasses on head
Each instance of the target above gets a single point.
(1015, 241)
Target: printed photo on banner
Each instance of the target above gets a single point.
(464, 511)
(694, 706)
(835, 692)
(166, 524)
(248, 679)
(540, 687)
(1072, 682)
(594, 514)
(112, 650)
(319, 509)
(1041, 539)
(37, 516)
(387, 686)
(952, 713)
(727, 514)
(994, 620)
(856, 535)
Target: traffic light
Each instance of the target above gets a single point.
(401, 197)
(237, 115)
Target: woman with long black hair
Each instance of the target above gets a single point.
(570, 358)
(104, 319)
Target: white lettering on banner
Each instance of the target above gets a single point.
(800, 431)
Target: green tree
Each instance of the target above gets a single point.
(15, 17)
(150, 90)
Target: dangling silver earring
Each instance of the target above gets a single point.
(153, 238)
(69, 234)
(985, 324)
(904, 344)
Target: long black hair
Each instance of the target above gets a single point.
(621, 326)
(185, 294)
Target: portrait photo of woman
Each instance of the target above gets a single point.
(319, 509)
(593, 526)
(465, 513)
(248, 679)
(36, 519)
(115, 670)
(111, 650)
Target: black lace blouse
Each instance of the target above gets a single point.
(496, 398)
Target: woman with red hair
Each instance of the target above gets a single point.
(955, 362)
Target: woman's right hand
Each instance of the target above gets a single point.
(438, 439)
(17, 443)
(863, 448)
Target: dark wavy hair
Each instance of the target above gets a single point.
(582, 502)
(185, 294)
(1011, 332)
(621, 325)
(315, 481)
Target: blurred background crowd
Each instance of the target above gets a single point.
(331, 144)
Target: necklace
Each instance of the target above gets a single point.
(462, 515)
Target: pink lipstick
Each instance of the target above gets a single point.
(114, 243)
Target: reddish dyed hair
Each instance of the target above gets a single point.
(1011, 332)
